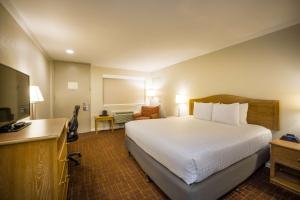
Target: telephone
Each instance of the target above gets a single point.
(290, 138)
(104, 113)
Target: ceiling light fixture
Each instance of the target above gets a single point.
(69, 51)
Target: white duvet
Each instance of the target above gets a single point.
(194, 149)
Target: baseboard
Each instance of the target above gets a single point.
(107, 128)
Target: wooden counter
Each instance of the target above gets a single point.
(38, 130)
(33, 161)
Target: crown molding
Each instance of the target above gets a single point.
(18, 18)
(248, 38)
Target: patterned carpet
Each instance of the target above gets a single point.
(107, 172)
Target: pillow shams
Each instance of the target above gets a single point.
(203, 110)
(226, 113)
(243, 113)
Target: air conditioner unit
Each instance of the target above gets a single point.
(121, 117)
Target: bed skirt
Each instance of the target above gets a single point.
(213, 187)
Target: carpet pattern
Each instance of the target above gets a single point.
(107, 172)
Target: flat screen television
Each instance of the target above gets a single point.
(14, 95)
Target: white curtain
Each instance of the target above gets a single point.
(123, 91)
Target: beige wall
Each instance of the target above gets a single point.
(123, 91)
(65, 99)
(267, 67)
(90, 90)
(97, 90)
(18, 51)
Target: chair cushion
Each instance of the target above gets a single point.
(136, 115)
(147, 111)
(141, 118)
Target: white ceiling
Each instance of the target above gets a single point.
(147, 35)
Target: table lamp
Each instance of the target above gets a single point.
(151, 94)
(35, 97)
(180, 99)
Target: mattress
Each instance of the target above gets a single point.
(194, 149)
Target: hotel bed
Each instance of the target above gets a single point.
(189, 158)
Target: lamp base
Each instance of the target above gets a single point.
(33, 111)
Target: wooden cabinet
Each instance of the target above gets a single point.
(62, 168)
(33, 162)
(285, 165)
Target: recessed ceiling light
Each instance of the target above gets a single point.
(69, 51)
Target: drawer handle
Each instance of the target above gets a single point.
(65, 181)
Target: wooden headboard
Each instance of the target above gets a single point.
(260, 112)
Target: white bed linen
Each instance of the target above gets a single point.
(194, 149)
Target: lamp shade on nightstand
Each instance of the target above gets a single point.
(151, 93)
(180, 99)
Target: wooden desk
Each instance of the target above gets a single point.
(109, 119)
(33, 161)
(285, 165)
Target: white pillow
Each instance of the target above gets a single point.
(243, 113)
(203, 110)
(226, 113)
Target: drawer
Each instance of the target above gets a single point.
(63, 176)
(62, 139)
(63, 183)
(63, 152)
(65, 191)
(63, 188)
(62, 160)
(286, 156)
(62, 164)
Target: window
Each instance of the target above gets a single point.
(123, 90)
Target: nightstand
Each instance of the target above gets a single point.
(103, 119)
(285, 165)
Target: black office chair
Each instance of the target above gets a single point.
(72, 135)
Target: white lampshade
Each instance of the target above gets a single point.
(180, 99)
(35, 94)
(151, 93)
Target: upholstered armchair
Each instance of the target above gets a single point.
(147, 112)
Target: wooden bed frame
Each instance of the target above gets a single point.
(261, 112)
